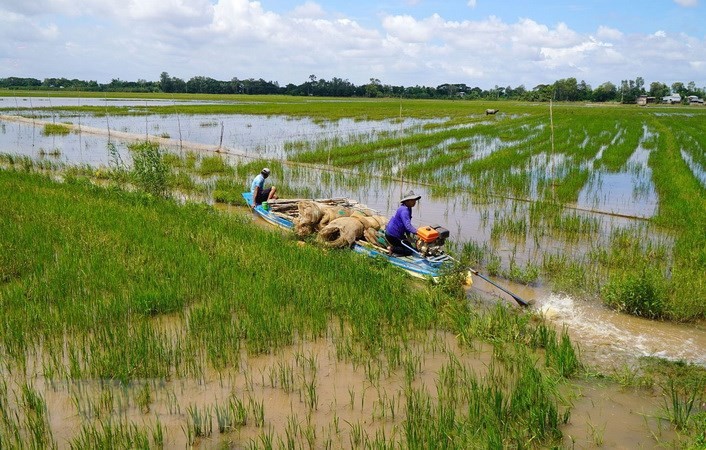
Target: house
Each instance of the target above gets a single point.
(674, 98)
(644, 100)
(695, 100)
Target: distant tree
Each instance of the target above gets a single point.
(584, 91)
(178, 85)
(679, 88)
(16, 82)
(165, 83)
(606, 92)
(631, 89)
(658, 90)
(372, 89)
(566, 90)
(541, 93)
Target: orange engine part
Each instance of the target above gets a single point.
(427, 234)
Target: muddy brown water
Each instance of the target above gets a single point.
(350, 402)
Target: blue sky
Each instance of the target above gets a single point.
(400, 42)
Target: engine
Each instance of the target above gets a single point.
(430, 240)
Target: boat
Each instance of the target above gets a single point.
(417, 265)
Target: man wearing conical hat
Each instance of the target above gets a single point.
(400, 224)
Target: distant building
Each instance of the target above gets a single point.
(674, 98)
(644, 100)
(694, 100)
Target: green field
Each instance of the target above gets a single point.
(155, 320)
(535, 173)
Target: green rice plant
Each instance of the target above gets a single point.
(494, 265)
(56, 152)
(357, 436)
(680, 401)
(213, 165)
(181, 181)
(225, 417)
(36, 420)
(569, 275)
(628, 376)
(597, 434)
(640, 294)
(113, 434)
(199, 422)
(258, 412)
(143, 398)
(562, 356)
(56, 129)
(158, 435)
(529, 274)
(311, 397)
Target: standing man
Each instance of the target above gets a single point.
(400, 223)
(259, 193)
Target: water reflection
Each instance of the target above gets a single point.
(697, 169)
(257, 136)
(628, 192)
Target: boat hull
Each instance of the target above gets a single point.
(414, 265)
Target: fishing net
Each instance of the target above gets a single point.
(310, 214)
(332, 213)
(341, 232)
(327, 220)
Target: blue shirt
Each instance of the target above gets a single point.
(401, 222)
(259, 181)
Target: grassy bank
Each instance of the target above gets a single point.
(101, 288)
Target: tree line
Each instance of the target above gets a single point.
(568, 89)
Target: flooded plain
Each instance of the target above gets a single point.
(607, 198)
(350, 400)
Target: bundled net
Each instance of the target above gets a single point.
(341, 232)
(328, 221)
(310, 214)
(344, 231)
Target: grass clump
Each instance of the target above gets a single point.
(56, 129)
(641, 294)
(150, 170)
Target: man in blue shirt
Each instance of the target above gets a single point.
(400, 223)
(259, 193)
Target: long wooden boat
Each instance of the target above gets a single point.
(415, 265)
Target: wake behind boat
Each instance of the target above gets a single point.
(342, 222)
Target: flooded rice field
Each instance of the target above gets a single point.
(610, 200)
(317, 391)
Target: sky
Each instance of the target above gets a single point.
(484, 43)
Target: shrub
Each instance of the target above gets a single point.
(149, 170)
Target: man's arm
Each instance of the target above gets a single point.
(254, 196)
(407, 221)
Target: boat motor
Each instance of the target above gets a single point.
(431, 239)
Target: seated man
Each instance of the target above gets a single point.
(259, 193)
(400, 223)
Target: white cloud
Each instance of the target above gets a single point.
(687, 3)
(471, 3)
(131, 39)
(572, 56)
(608, 33)
(309, 10)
